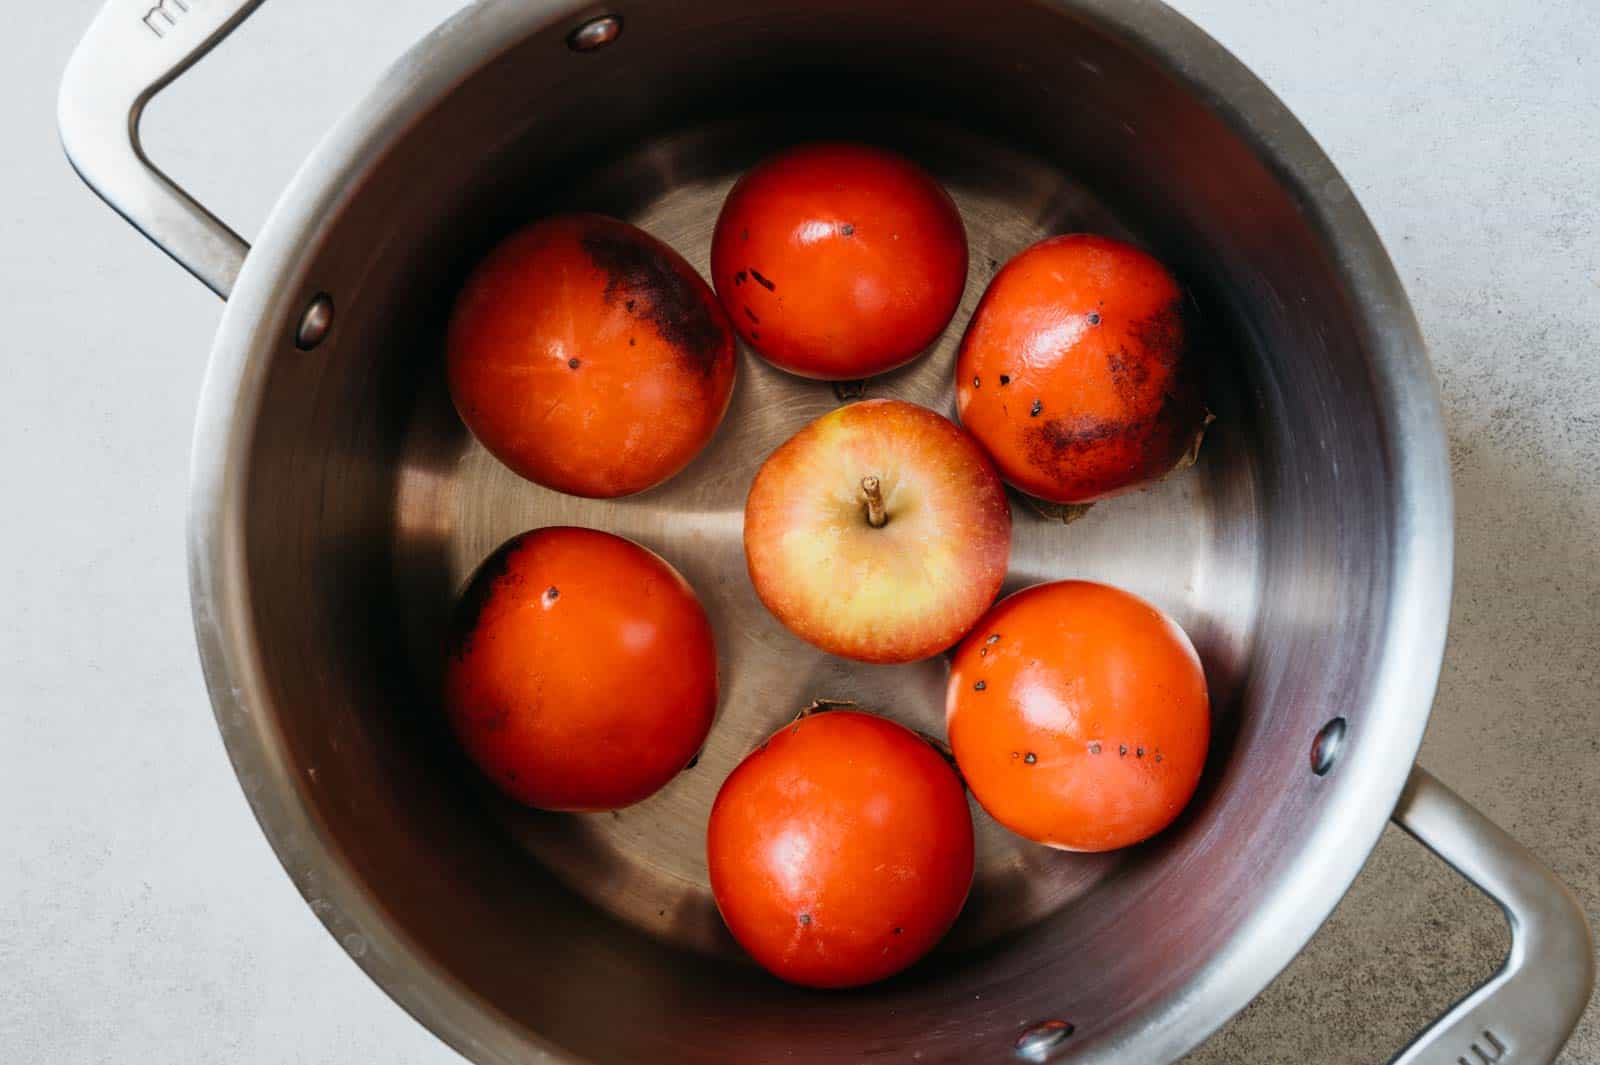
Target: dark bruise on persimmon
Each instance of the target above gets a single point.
(640, 272)
(1161, 335)
(1089, 336)
(1147, 445)
(589, 357)
(1059, 441)
(479, 590)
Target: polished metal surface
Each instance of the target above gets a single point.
(646, 865)
(1325, 748)
(1038, 1042)
(338, 504)
(315, 323)
(1526, 1010)
(132, 50)
(596, 33)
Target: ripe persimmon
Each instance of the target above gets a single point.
(583, 672)
(841, 850)
(1079, 716)
(589, 357)
(839, 261)
(1075, 372)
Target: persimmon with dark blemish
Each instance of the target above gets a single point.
(652, 347)
(581, 673)
(857, 259)
(1092, 330)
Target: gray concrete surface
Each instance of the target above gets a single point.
(144, 920)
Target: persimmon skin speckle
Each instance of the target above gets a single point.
(839, 261)
(1075, 372)
(582, 673)
(841, 850)
(1104, 697)
(589, 357)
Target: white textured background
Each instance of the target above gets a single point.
(143, 918)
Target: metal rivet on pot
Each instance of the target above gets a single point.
(1325, 748)
(1037, 1042)
(596, 33)
(315, 323)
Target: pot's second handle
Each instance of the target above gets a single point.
(131, 51)
(1526, 1011)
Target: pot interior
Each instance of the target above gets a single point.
(369, 504)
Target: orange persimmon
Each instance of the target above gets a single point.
(1074, 373)
(589, 357)
(841, 850)
(583, 673)
(1079, 716)
(839, 261)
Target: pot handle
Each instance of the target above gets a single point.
(132, 50)
(1525, 1012)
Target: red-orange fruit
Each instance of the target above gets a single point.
(1079, 716)
(583, 673)
(1075, 372)
(589, 357)
(839, 261)
(841, 851)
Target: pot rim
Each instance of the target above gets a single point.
(273, 286)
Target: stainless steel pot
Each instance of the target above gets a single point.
(337, 505)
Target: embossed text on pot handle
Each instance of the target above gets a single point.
(131, 51)
(1525, 1012)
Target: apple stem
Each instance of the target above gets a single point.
(877, 516)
